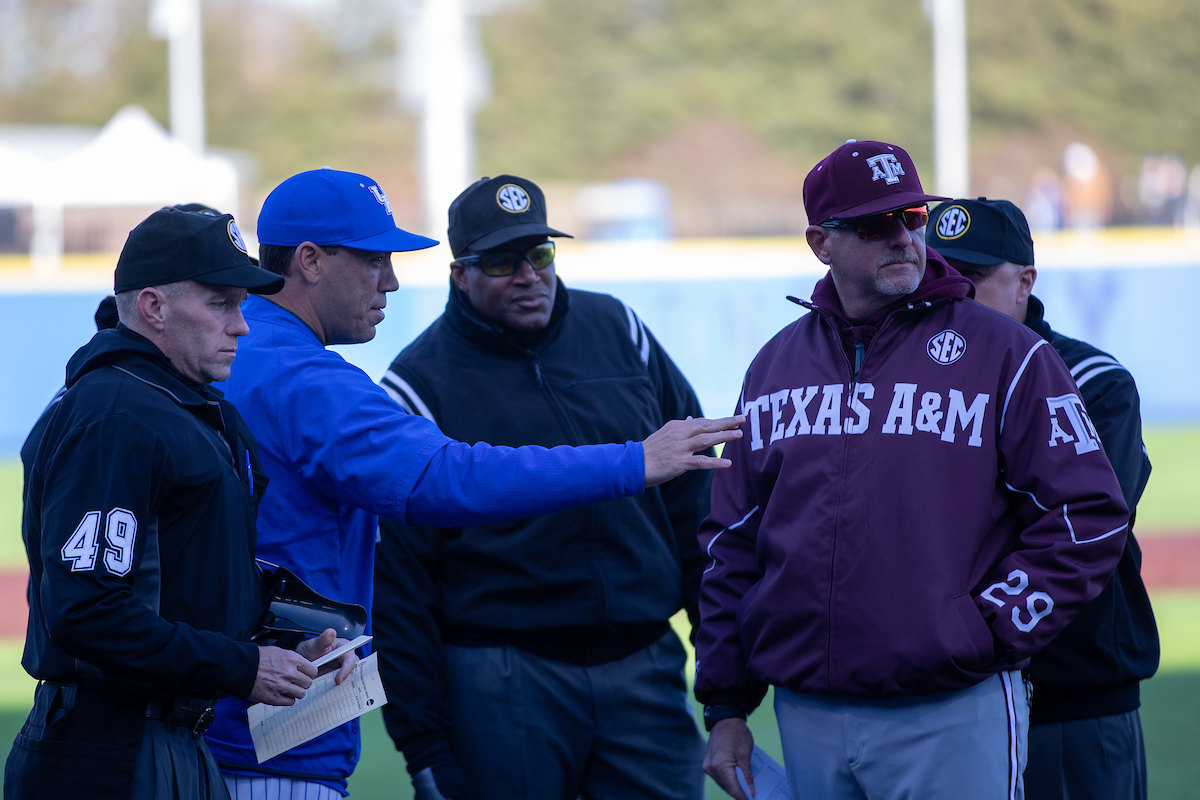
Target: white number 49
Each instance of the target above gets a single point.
(120, 531)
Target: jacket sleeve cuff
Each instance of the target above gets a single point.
(743, 700)
(243, 671)
(425, 750)
(637, 462)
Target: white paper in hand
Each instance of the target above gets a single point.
(770, 779)
(277, 729)
(341, 651)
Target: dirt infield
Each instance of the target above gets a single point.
(1169, 562)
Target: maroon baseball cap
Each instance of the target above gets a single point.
(861, 178)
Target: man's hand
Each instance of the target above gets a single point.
(327, 642)
(671, 450)
(729, 746)
(283, 677)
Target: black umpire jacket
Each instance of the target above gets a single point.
(139, 527)
(585, 586)
(1094, 667)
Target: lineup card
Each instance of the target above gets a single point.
(770, 779)
(277, 729)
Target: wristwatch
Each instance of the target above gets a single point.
(714, 714)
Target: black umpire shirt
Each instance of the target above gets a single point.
(1094, 667)
(140, 497)
(585, 586)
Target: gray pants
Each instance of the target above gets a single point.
(528, 727)
(1102, 758)
(963, 745)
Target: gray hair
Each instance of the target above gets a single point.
(127, 310)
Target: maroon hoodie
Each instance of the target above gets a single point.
(919, 501)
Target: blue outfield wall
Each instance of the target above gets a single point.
(1144, 316)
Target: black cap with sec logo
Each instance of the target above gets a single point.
(981, 232)
(173, 245)
(493, 211)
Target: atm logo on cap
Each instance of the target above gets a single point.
(380, 198)
(886, 166)
(953, 222)
(512, 198)
(235, 236)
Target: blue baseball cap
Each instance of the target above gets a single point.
(329, 207)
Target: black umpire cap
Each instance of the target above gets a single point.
(175, 245)
(981, 232)
(492, 211)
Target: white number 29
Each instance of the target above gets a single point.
(1016, 589)
(120, 531)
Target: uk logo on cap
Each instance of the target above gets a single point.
(512, 198)
(885, 166)
(381, 198)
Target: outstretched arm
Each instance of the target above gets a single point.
(672, 449)
(473, 485)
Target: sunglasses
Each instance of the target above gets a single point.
(878, 226)
(505, 262)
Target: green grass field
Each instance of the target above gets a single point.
(1170, 701)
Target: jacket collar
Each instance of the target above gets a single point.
(463, 317)
(1035, 318)
(940, 283)
(262, 307)
(133, 354)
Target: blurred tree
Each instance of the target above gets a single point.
(585, 90)
(578, 83)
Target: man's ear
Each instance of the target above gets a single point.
(458, 275)
(151, 306)
(1025, 280)
(818, 239)
(309, 262)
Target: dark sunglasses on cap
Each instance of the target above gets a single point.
(500, 263)
(877, 226)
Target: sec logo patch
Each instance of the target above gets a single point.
(235, 236)
(946, 347)
(512, 198)
(953, 222)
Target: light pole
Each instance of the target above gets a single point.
(951, 109)
(179, 23)
(443, 78)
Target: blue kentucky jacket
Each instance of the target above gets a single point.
(339, 452)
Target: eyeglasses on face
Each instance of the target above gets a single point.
(878, 226)
(500, 263)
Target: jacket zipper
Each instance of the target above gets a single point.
(589, 539)
(860, 355)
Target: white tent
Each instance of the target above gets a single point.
(133, 161)
(19, 173)
(130, 162)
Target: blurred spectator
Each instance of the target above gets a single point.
(1191, 209)
(1044, 200)
(1088, 189)
(632, 208)
(1162, 189)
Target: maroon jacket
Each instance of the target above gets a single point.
(908, 525)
